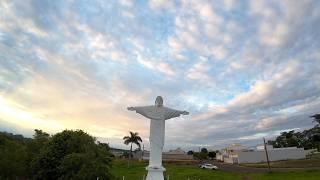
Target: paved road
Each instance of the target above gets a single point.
(235, 167)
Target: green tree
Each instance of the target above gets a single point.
(35, 146)
(287, 139)
(212, 154)
(200, 155)
(134, 138)
(13, 157)
(41, 136)
(204, 150)
(307, 139)
(316, 118)
(190, 152)
(72, 155)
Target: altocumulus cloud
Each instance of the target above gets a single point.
(244, 69)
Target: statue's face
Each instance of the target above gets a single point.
(159, 101)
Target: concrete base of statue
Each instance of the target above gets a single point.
(155, 173)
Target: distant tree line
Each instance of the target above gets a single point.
(203, 154)
(308, 139)
(65, 155)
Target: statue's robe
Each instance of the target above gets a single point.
(157, 116)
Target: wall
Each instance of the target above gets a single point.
(168, 156)
(274, 155)
(140, 155)
(230, 160)
(219, 157)
(310, 151)
(176, 156)
(261, 147)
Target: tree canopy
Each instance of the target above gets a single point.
(65, 155)
(204, 150)
(316, 118)
(134, 138)
(307, 139)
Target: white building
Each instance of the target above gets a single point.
(229, 154)
(237, 154)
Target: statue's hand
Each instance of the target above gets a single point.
(185, 113)
(130, 108)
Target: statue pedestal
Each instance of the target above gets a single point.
(155, 173)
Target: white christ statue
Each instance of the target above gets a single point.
(157, 114)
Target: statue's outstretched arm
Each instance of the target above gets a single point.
(172, 113)
(131, 108)
(185, 112)
(137, 108)
(143, 110)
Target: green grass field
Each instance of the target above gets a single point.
(180, 171)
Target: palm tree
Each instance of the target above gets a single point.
(134, 138)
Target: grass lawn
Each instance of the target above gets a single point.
(180, 171)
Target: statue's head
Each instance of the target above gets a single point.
(159, 101)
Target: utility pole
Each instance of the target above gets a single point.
(265, 148)
(142, 152)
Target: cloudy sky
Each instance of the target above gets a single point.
(243, 69)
